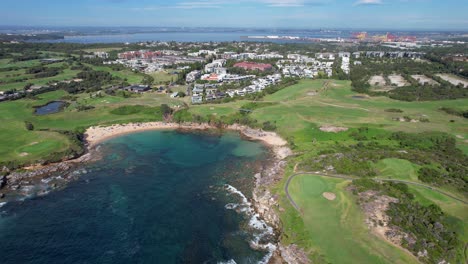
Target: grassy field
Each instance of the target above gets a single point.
(7, 63)
(405, 170)
(397, 169)
(66, 75)
(29, 146)
(101, 49)
(127, 74)
(301, 109)
(23, 145)
(457, 211)
(335, 229)
(162, 77)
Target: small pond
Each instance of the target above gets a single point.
(50, 108)
(359, 97)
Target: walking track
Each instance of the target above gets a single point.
(345, 177)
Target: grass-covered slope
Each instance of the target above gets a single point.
(371, 147)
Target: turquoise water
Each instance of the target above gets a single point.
(155, 197)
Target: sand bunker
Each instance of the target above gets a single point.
(329, 196)
(23, 154)
(333, 129)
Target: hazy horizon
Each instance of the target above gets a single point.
(239, 28)
(434, 15)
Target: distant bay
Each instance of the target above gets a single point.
(186, 37)
(155, 197)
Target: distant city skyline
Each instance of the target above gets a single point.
(313, 14)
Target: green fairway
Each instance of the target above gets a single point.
(19, 144)
(8, 63)
(305, 105)
(162, 77)
(219, 110)
(127, 74)
(335, 229)
(313, 103)
(65, 75)
(397, 169)
(457, 211)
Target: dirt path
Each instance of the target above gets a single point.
(345, 177)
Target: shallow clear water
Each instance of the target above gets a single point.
(50, 108)
(156, 197)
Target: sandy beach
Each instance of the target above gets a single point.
(97, 134)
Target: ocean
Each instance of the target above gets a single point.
(154, 197)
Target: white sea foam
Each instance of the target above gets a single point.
(46, 180)
(255, 222)
(231, 261)
(231, 206)
(2, 204)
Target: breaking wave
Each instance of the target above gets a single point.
(263, 230)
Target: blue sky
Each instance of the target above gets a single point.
(367, 14)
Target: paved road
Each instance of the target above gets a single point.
(345, 177)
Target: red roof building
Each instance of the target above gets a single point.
(211, 77)
(249, 66)
(391, 37)
(151, 54)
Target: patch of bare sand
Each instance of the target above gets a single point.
(377, 80)
(23, 154)
(397, 80)
(333, 129)
(422, 79)
(455, 80)
(375, 208)
(329, 196)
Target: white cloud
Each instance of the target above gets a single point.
(368, 2)
(211, 4)
(284, 3)
(184, 5)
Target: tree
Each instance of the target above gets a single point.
(29, 126)
(166, 110)
(147, 80)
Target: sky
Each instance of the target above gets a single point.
(311, 14)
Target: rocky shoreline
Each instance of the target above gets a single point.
(40, 180)
(267, 206)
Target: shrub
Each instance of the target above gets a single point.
(394, 110)
(127, 110)
(29, 126)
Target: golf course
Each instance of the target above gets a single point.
(319, 119)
